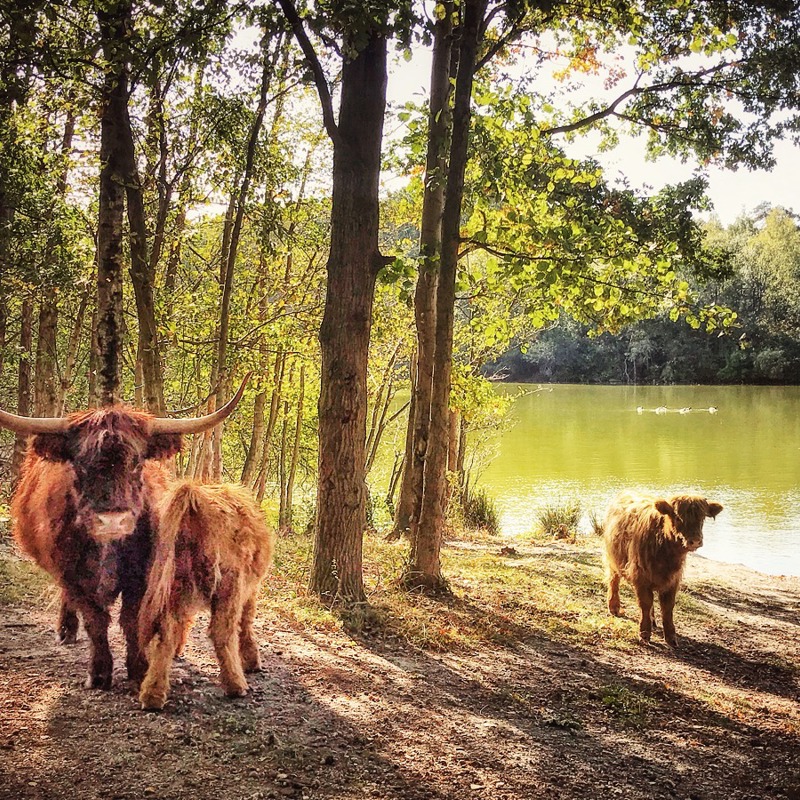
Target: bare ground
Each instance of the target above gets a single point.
(338, 715)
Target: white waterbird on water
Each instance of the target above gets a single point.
(661, 410)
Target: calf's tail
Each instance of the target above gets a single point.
(175, 505)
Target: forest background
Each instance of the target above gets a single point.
(214, 128)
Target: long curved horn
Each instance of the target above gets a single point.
(28, 426)
(200, 424)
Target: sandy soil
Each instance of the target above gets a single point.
(337, 716)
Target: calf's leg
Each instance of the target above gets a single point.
(667, 600)
(160, 652)
(67, 628)
(614, 605)
(248, 648)
(135, 660)
(645, 598)
(226, 613)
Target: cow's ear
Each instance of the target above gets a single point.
(163, 445)
(713, 510)
(51, 446)
(664, 507)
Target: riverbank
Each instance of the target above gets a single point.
(520, 686)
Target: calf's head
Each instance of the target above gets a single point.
(687, 513)
(107, 449)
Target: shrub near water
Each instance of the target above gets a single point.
(480, 512)
(560, 520)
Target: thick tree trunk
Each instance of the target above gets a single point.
(353, 264)
(23, 384)
(424, 568)
(411, 490)
(115, 21)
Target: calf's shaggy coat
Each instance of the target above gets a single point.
(647, 539)
(212, 550)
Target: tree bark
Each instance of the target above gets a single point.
(115, 22)
(411, 489)
(298, 436)
(45, 385)
(353, 264)
(424, 568)
(23, 385)
(73, 346)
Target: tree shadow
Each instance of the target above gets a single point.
(761, 603)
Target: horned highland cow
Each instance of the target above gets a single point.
(646, 540)
(85, 511)
(212, 550)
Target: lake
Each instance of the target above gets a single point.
(589, 442)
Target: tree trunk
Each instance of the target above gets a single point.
(298, 436)
(73, 346)
(115, 22)
(45, 391)
(404, 513)
(424, 568)
(23, 385)
(274, 407)
(249, 468)
(353, 264)
(411, 490)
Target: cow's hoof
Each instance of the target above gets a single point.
(615, 611)
(101, 681)
(152, 702)
(236, 690)
(251, 663)
(645, 640)
(672, 642)
(67, 637)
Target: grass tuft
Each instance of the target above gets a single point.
(560, 520)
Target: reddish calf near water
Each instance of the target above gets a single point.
(85, 511)
(212, 551)
(647, 539)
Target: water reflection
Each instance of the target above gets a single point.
(590, 442)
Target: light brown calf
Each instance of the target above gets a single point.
(212, 550)
(647, 539)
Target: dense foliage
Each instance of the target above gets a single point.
(757, 275)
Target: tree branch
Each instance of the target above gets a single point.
(611, 109)
(321, 82)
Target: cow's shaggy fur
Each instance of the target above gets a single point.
(84, 511)
(647, 539)
(212, 551)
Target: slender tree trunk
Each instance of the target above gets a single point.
(23, 385)
(115, 22)
(274, 407)
(353, 265)
(411, 490)
(73, 346)
(298, 436)
(45, 391)
(424, 568)
(249, 468)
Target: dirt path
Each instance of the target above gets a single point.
(333, 716)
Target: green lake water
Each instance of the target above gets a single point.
(589, 442)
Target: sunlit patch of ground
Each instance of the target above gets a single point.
(519, 685)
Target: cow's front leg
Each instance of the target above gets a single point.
(667, 600)
(67, 627)
(645, 598)
(614, 605)
(160, 652)
(95, 620)
(135, 660)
